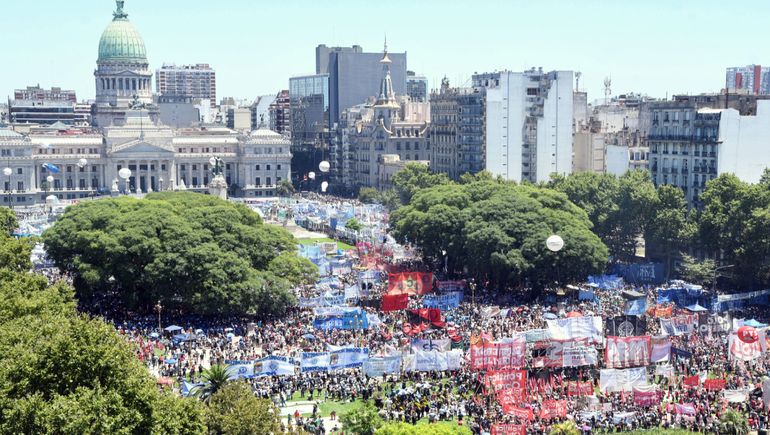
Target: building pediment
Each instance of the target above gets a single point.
(140, 147)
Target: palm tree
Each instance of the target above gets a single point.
(566, 428)
(213, 380)
(734, 423)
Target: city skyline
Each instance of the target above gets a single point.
(639, 53)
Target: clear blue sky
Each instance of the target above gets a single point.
(649, 46)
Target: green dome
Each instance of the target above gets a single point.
(121, 42)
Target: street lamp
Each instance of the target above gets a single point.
(82, 164)
(7, 172)
(159, 308)
(48, 186)
(161, 184)
(125, 174)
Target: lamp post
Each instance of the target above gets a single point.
(48, 186)
(7, 172)
(125, 174)
(82, 164)
(159, 308)
(161, 184)
(714, 282)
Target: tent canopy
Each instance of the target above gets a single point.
(172, 328)
(696, 308)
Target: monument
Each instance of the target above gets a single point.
(218, 185)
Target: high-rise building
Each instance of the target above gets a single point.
(457, 136)
(354, 76)
(753, 78)
(693, 138)
(280, 113)
(529, 118)
(197, 81)
(35, 105)
(416, 87)
(322, 54)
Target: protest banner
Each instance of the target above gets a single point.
(551, 409)
(446, 301)
(589, 327)
(375, 367)
(506, 379)
(618, 380)
(411, 283)
(499, 355)
(274, 366)
(394, 302)
(508, 429)
(679, 325)
(622, 352)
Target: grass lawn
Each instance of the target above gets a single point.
(340, 245)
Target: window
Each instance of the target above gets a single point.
(278, 167)
(268, 168)
(19, 171)
(194, 167)
(182, 167)
(257, 170)
(258, 181)
(20, 186)
(268, 181)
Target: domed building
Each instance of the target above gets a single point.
(123, 76)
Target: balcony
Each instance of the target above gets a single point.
(713, 170)
(685, 171)
(672, 137)
(696, 153)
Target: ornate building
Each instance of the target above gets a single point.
(86, 162)
(388, 135)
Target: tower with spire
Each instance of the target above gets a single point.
(386, 107)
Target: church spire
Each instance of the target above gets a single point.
(386, 86)
(119, 14)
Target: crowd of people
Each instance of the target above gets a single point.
(460, 395)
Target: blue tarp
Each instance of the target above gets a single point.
(350, 319)
(683, 296)
(606, 282)
(648, 273)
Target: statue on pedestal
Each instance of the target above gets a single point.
(218, 185)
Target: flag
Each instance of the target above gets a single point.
(395, 302)
(432, 315)
(412, 283)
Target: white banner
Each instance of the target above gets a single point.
(240, 369)
(376, 367)
(576, 327)
(345, 358)
(576, 356)
(661, 350)
(736, 396)
(434, 361)
(746, 351)
(665, 370)
(679, 325)
(274, 366)
(617, 380)
(627, 351)
(428, 345)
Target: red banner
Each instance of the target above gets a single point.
(580, 389)
(521, 414)
(508, 429)
(647, 398)
(495, 356)
(511, 397)
(395, 302)
(553, 409)
(715, 384)
(431, 315)
(664, 312)
(691, 381)
(503, 379)
(411, 283)
(624, 352)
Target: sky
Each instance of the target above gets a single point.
(654, 47)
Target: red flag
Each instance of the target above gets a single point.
(692, 381)
(715, 384)
(412, 283)
(395, 302)
(553, 409)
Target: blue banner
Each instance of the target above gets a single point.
(648, 273)
(636, 307)
(353, 319)
(274, 366)
(447, 301)
(346, 358)
(322, 301)
(586, 295)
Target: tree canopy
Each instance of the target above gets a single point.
(61, 372)
(193, 252)
(235, 410)
(498, 230)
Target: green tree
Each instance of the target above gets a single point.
(235, 410)
(368, 195)
(353, 225)
(733, 423)
(670, 228)
(194, 252)
(697, 272)
(566, 428)
(8, 222)
(214, 379)
(362, 420)
(498, 230)
(414, 177)
(285, 188)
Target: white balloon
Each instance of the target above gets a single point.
(324, 186)
(324, 166)
(311, 175)
(82, 162)
(554, 243)
(124, 173)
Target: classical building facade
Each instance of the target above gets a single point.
(84, 162)
(388, 133)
